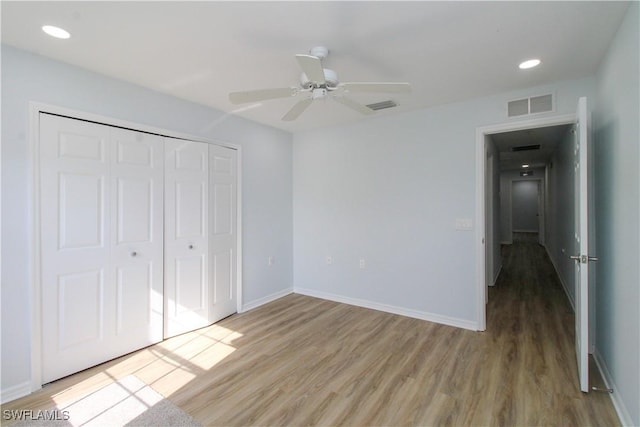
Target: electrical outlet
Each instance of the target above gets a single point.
(271, 260)
(329, 260)
(363, 263)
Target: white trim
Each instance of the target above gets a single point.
(618, 404)
(481, 132)
(265, 300)
(422, 315)
(481, 261)
(239, 287)
(15, 392)
(35, 109)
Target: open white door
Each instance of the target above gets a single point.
(581, 248)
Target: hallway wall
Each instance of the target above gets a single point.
(559, 232)
(617, 199)
(524, 206)
(506, 186)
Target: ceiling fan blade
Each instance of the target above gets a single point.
(261, 95)
(348, 102)
(297, 109)
(376, 87)
(312, 67)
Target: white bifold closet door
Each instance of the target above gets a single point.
(200, 235)
(101, 234)
(223, 231)
(186, 236)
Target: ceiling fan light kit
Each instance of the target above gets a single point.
(317, 82)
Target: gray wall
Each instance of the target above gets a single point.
(524, 206)
(617, 200)
(560, 217)
(389, 190)
(267, 182)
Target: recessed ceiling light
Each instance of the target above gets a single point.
(56, 32)
(525, 166)
(529, 64)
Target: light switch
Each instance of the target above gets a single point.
(464, 224)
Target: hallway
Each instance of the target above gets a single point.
(530, 317)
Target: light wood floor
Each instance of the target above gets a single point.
(306, 361)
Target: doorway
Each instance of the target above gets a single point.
(563, 158)
(488, 141)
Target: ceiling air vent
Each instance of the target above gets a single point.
(382, 105)
(532, 105)
(526, 147)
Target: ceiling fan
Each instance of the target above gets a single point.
(317, 82)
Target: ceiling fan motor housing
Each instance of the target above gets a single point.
(330, 78)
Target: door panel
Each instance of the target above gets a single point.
(80, 323)
(137, 264)
(74, 236)
(134, 225)
(191, 284)
(81, 210)
(581, 248)
(223, 246)
(186, 243)
(190, 205)
(134, 304)
(101, 243)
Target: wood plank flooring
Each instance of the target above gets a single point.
(306, 361)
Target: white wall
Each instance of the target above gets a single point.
(506, 187)
(389, 190)
(524, 206)
(617, 200)
(267, 182)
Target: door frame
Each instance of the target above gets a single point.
(37, 108)
(481, 177)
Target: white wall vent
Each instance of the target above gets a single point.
(532, 105)
(382, 105)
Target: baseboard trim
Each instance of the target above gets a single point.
(416, 314)
(265, 300)
(495, 279)
(618, 404)
(15, 392)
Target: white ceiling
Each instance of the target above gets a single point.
(201, 51)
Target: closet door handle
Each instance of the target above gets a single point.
(190, 246)
(134, 254)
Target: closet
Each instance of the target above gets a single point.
(138, 240)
